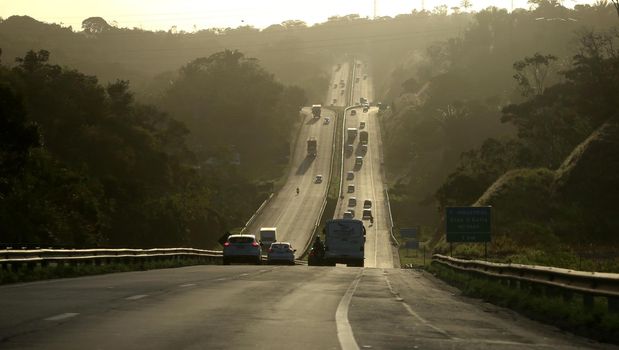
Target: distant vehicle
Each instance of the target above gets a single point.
(312, 147)
(281, 252)
(342, 92)
(350, 148)
(318, 179)
(366, 109)
(367, 213)
(327, 120)
(334, 101)
(242, 248)
(364, 148)
(357, 79)
(316, 109)
(344, 242)
(361, 125)
(335, 86)
(351, 134)
(342, 84)
(358, 160)
(351, 188)
(339, 65)
(352, 201)
(381, 106)
(350, 175)
(348, 215)
(268, 235)
(362, 100)
(365, 76)
(364, 137)
(353, 112)
(367, 203)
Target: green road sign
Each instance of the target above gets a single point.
(467, 224)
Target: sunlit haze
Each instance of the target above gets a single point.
(195, 15)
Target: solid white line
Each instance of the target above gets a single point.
(136, 297)
(424, 321)
(344, 331)
(62, 316)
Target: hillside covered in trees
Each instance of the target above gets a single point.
(84, 164)
(494, 117)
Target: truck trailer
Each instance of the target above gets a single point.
(344, 242)
(316, 109)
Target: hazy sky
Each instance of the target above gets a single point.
(163, 14)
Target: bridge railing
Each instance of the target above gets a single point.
(16, 259)
(544, 280)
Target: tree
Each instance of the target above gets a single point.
(531, 73)
(95, 25)
(466, 4)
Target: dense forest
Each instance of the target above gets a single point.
(84, 164)
(519, 113)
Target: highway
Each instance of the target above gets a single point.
(337, 94)
(263, 307)
(379, 306)
(368, 178)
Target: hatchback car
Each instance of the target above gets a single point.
(242, 248)
(281, 252)
(367, 203)
(352, 201)
(318, 179)
(351, 188)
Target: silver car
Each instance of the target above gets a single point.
(281, 252)
(242, 248)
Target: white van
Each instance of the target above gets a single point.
(268, 235)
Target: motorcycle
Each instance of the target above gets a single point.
(316, 257)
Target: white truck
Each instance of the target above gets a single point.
(344, 242)
(268, 235)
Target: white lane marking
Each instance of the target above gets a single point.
(62, 316)
(187, 285)
(136, 297)
(220, 279)
(344, 331)
(244, 274)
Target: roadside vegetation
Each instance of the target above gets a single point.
(595, 322)
(518, 112)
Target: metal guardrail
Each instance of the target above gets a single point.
(16, 259)
(543, 279)
(391, 227)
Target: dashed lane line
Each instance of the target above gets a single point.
(62, 316)
(136, 297)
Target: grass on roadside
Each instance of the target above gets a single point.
(596, 322)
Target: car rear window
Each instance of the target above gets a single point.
(279, 246)
(241, 240)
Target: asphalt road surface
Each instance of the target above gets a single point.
(263, 307)
(368, 178)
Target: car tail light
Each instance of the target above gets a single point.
(227, 244)
(255, 244)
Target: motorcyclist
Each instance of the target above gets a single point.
(318, 246)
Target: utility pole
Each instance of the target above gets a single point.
(375, 9)
(423, 5)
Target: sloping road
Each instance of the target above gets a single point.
(368, 178)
